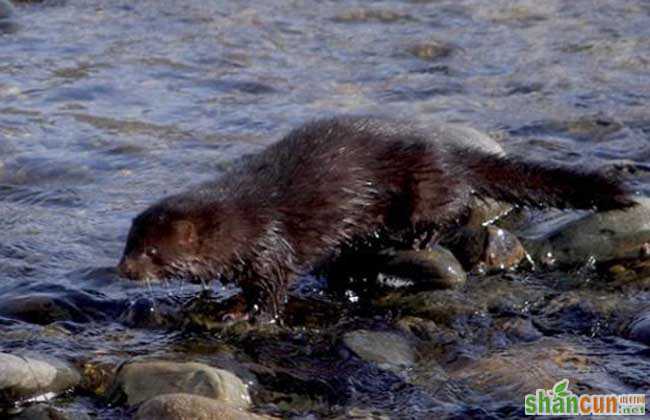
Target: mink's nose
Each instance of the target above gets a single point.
(126, 268)
(137, 268)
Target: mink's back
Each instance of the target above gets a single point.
(333, 181)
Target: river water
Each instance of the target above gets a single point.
(107, 106)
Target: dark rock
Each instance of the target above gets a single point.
(436, 268)
(56, 305)
(521, 329)
(444, 307)
(48, 412)
(424, 329)
(145, 312)
(639, 328)
(579, 312)
(468, 245)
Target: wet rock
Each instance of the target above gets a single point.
(424, 329)
(6, 9)
(140, 381)
(57, 305)
(40, 309)
(503, 250)
(462, 136)
(520, 329)
(386, 349)
(431, 50)
(436, 268)
(486, 211)
(32, 171)
(521, 369)
(187, 406)
(356, 413)
(520, 13)
(48, 412)
(24, 377)
(486, 248)
(580, 312)
(505, 296)
(145, 312)
(593, 128)
(639, 328)
(443, 307)
(605, 236)
(370, 15)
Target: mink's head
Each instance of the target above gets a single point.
(163, 242)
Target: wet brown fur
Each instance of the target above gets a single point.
(332, 184)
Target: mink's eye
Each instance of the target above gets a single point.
(151, 251)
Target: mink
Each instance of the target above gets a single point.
(335, 184)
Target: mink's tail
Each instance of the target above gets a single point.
(538, 185)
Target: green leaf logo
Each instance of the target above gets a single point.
(560, 388)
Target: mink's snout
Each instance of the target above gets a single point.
(135, 268)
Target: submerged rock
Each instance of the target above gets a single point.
(188, 406)
(639, 328)
(431, 50)
(443, 307)
(25, 377)
(386, 349)
(588, 312)
(605, 236)
(41, 308)
(48, 412)
(6, 9)
(519, 370)
(140, 381)
(520, 329)
(370, 15)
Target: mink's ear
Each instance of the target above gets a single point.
(186, 232)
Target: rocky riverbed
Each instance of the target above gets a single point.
(107, 106)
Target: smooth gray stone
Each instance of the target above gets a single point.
(386, 349)
(188, 406)
(606, 236)
(140, 381)
(33, 375)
